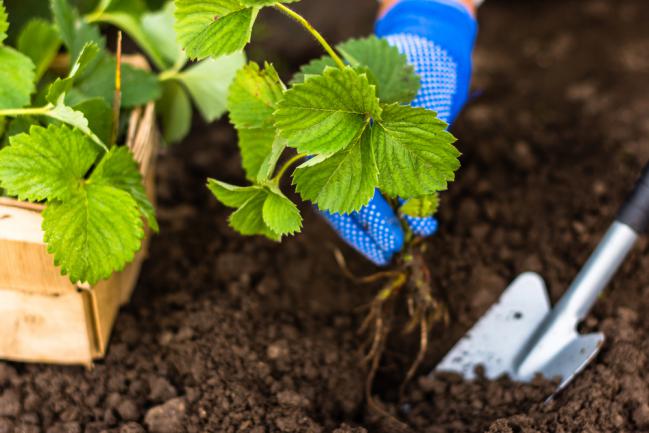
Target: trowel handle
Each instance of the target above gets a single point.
(635, 211)
(609, 255)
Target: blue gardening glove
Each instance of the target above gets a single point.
(437, 37)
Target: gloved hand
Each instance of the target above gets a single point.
(437, 37)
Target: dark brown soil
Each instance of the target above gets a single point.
(232, 334)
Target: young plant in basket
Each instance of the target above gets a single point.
(59, 127)
(345, 121)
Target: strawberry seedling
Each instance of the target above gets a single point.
(60, 136)
(346, 122)
(60, 128)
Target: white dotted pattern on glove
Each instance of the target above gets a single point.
(376, 223)
(422, 226)
(437, 71)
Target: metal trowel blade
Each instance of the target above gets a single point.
(496, 339)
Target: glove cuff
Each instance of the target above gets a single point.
(471, 5)
(447, 24)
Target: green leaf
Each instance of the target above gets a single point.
(17, 77)
(138, 86)
(46, 164)
(128, 16)
(260, 149)
(260, 210)
(132, 7)
(213, 28)
(253, 96)
(318, 66)
(343, 182)
(119, 169)
(385, 66)
(328, 112)
(396, 79)
(421, 207)
(18, 125)
(249, 202)
(414, 152)
(74, 32)
(280, 214)
(265, 2)
(65, 18)
(40, 41)
(4, 22)
(193, 16)
(175, 111)
(83, 61)
(156, 26)
(252, 99)
(269, 163)
(231, 195)
(62, 85)
(314, 67)
(93, 234)
(99, 115)
(66, 114)
(208, 82)
(249, 220)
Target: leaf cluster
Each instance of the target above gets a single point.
(218, 27)
(61, 150)
(353, 123)
(203, 83)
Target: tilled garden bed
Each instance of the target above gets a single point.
(232, 334)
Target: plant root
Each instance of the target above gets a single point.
(378, 324)
(424, 309)
(409, 282)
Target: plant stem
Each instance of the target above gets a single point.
(301, 20)
(31, 111)
(167, 75)
(117, 96)
(286, 166)
(94, 17)
(173, 72)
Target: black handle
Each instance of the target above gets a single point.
(635, 211)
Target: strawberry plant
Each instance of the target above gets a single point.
(60, 131)
(346, 122)
(346, 111)
(60, 126)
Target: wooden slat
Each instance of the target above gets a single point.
(43, 328)
(25, 264)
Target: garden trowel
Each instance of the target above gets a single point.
(522, 336)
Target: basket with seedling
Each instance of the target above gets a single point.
(78, 142)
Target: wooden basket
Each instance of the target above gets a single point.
(44, 317)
